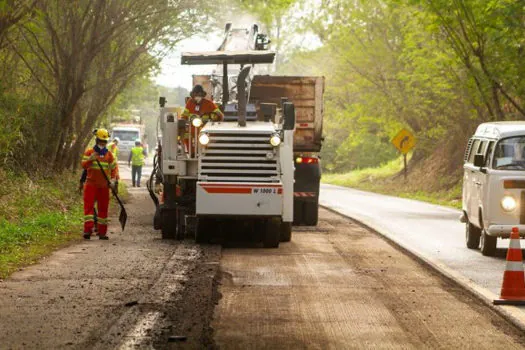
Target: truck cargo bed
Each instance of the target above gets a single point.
(306, 93)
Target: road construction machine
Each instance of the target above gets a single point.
(240, 169)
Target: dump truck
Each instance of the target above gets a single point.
(242, 168)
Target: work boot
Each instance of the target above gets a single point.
(103, 237)
(87, 235)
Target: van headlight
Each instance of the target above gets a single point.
(508, 203)
(196, 122)
(204, 139)
(275, 140)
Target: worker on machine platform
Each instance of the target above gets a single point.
(199, 106)
(204, 108)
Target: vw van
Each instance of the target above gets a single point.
(494, 184)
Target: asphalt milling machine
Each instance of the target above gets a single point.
(255, 173)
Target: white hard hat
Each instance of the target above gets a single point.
(116, 139)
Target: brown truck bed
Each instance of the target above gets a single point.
(306, 93)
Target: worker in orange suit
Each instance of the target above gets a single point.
(197, 105)
(96, 188)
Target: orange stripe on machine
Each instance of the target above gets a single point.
(242, 189)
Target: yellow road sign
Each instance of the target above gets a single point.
(404, 141)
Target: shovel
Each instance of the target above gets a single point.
(123, 216)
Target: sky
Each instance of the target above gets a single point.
(174, 74)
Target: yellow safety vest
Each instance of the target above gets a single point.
(114, 149)
(137, 156)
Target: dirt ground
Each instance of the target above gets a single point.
(341, 286)
(133, 291)
(334, 286)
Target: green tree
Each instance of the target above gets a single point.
(83, 53)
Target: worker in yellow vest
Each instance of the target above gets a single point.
(113, 148)
(136, 160)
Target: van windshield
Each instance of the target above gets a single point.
(126, 135)
(510, 154)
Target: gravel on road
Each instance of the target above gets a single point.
(134, 290)
(342, 286)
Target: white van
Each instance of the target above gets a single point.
(127, 136)
(494, 184)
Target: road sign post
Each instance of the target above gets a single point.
(405, 165)
(404, 141)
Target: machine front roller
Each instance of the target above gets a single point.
(168, 224)
(203, 229)
(272, 234)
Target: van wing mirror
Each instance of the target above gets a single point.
(479, 160)
(289, 116)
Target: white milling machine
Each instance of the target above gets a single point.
(240, 171)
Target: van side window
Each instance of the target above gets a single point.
(482, 147)
(469, 148)
(473, 151)
(488, 154)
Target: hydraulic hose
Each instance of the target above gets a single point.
(157, 175)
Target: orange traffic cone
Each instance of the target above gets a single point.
(513, 287)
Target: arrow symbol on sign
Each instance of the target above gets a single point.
(405, 139)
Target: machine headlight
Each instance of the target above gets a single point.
(275, 140)
(196, 122)
(204, 139)
(508, 203)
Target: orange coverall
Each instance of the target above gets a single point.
(96, 189)
(205, 109)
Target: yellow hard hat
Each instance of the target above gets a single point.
(102, 134)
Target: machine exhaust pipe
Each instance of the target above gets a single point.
(241, 95)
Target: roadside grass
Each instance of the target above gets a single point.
(388, 179)
(37, 216)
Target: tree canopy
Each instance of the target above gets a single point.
(436, 67)
(73, 59)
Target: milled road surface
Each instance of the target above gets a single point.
(341, 286)
(334, 286)
(134, 290)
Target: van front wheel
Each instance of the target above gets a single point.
(488, 244)
(472, 236)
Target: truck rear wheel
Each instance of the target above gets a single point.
(311, 213)
(286, 232)
(298, 212)
(169, 224)
(272, 233)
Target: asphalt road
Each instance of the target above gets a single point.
(340, 286)
(429, 230)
